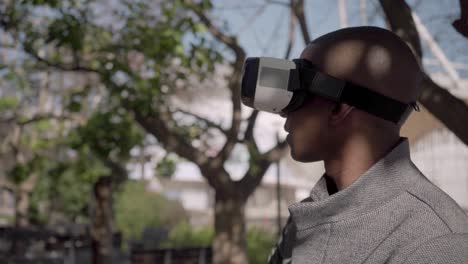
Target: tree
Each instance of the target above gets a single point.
(28, 133)
(65, 154)
(78, 44)
(108, 136)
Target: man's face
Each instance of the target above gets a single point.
(308, 130)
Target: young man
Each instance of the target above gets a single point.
(372, 205)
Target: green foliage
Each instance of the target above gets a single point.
(43, 125)
(68, 31)
(74, 186)
(35, 216)
(108, 135)
(150, 38)
(137, 209)
(259, 242)
(166, 166)
(206, 4)
(67, 185)
(75, 101)
(15, 79)
(153, 42)
(21, 171)
(52, 3)
(183, 235)
(8, 102)
(259, 245)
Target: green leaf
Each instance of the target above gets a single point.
(19, 173)
(183, 235)
(67, 31)
(43, 125)
(206, 4)
(166, 166)
(136, 208)
(199, 27)
(51, 3)
(8, 102)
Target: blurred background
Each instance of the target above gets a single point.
(123, 139)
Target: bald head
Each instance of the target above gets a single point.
(372, 57)
(347, 139)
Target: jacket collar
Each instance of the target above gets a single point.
(385, 180)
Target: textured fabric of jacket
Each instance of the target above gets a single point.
(391, 214)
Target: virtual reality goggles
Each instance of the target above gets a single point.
(281, 86)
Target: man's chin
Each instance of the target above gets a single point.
(303, 157)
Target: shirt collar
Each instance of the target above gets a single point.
(383, 181)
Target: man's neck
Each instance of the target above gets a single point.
(355, 158)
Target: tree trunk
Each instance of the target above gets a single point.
(102, 222)
(21, 208)
(22, 200)
(229, 245)
(18, 246)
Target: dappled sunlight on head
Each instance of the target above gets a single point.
(369, 56)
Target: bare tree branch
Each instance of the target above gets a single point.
(292, 19)
(42, 117)
(461, 24)
(59, 66)
(230, 41)
(163, 128)
(299, 12)
(450, 110)
(435, 98)
(401, 22)
(207, 122)
(248, 135)
(233, 81)
(258, 168)
(33, 119)
(250, 21)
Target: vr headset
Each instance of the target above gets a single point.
(281, 86)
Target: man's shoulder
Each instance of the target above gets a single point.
(449, 249)
(439, 204)
(446, 239)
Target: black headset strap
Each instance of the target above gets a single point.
(350, 93)
(373, 103)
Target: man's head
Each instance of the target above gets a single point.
(369, 56)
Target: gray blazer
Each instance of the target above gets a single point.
(391, 214)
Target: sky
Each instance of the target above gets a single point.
(264, 30)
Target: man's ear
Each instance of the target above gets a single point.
(340, 112)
